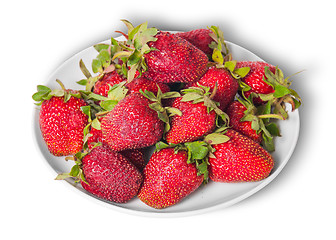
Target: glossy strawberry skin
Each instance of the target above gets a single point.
(132, 124)
(62, 124)
(255, 78)
(235, 111)
(168, 178)
(227, 86)
(239, 160)
(175, 60)
(199, 38)
(194, 123)
(110, 175)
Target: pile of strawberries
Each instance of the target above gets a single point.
(209, 117)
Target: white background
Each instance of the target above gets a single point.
(38, 36)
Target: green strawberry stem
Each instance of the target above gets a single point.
(203, 94)
(164, 113)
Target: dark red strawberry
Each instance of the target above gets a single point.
(175, 60)
(227, 85)
(200, 38)
(236, 112)
(168, 178)
(132, 124)
(109, 175)
(239, 159)
(61, 120)
(135, 156)
(255, 79)
(161, 56)
(207, 40)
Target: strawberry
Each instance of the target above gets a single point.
(103, 85)
(160, 56)
(194, 123)
(226, 85)
(144, 84)
(175, 60)
(267, 84)
(106, 174)
(198, 117)
(168, 178)
(205, 39)
(239, 159)
(61, 119)
(200, 38)
(132, 124)
(135, 156)
(255, 78)
(254, 122)
(236, 112)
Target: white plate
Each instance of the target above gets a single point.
(209, 197)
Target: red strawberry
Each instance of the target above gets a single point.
(135, 156)
(168, 178)
(255, 78)
(175, 60)
(194, 123)
(198, 115)
(240, 159)
(132, 124)
(200, 38)
(103, 85)
(61, 120)
(161, 56)
(236, 113)
(109, 175)
(96, 137)
(227, 86)
(144, 84)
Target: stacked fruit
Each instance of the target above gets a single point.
(208, 116)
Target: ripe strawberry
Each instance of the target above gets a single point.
(132, 124)
(103, 85)
(194, 123)
(175, 60)
(168, 178)
(109, 175)
(160, 56)
(144, 84)
(135, 156)
(268, 84)
(61, 119)
(200, 38)
(227, 86)
(236, 112)
(206, 40)
(198, 118)
(255, 78)
(240, 159)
